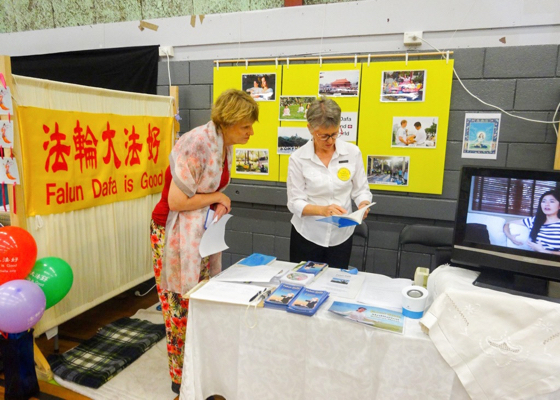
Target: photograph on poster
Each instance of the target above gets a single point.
(7, 130)
(480, 137)
(403, 86)
(388, 170)
(262, 87)
(5, 101)
(9, 171)
(418, 132)
(291, 139)
(339, 83)
(251, 161)
(294, 108)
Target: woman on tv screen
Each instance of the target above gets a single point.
(545, 225)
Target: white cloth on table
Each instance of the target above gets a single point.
(500, 345)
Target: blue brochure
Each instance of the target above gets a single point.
(256, 259)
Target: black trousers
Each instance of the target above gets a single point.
(302, 249)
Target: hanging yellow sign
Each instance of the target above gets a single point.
(74, 160)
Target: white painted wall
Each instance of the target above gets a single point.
(366, 26)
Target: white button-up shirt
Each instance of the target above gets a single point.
(310, 182)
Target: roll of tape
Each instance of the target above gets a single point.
(414, 301)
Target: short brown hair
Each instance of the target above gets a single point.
(233, 106)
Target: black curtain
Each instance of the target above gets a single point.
(131, 69)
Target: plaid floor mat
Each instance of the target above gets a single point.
(112, 349)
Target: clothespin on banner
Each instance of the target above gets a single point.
(3, 80)
(276, 61)
(355, 60)
(246, 64)
(218, 65)
(368, 58)
(406, 58)
(320, 61)
(288, 62)
(447, 60)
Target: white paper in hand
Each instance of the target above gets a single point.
(213, 240)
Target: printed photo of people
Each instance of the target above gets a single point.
(251, 161)
(294, 108)
(480, 138)
(291, 139)
(414, 132)
(339, 83)
(388, 170)
(403, 86)
(262, 87)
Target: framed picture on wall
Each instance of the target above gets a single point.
(417, 132)
(403, 86)
(251, 161)
(262, 87)
(339, 83)
(294, 108)
(388, 170)
(480, 137)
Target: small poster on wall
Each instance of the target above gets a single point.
(349, 126)
(7, 130)
(291, 139)
(5, 101)
(251, 161)
(261, 87)
(388, 170)
(420, 132)
(403, 86)
(339, 83)
(480, 138)
(294, 108)
(9, 171)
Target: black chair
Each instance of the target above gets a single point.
(437, 237)
(363, 232)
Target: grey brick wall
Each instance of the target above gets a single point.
(524, 81)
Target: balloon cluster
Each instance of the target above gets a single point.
(28, 286)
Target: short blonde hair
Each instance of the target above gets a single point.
(233, 106)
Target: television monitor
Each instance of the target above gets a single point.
(507, 226)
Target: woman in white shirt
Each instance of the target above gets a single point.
(324, 176)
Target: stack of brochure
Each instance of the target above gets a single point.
(282, 296)
(307, 302)
(379, 318)
(304, 273)
(256, 259)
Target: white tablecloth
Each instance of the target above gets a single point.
(289, 356)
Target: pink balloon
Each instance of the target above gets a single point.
(22, 304)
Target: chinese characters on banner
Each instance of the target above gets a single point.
(75, 160)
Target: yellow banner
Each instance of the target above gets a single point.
(75, 160)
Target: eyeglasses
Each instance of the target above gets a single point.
(333, 136)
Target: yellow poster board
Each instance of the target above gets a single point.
(251, 161)
(303, 80)
(408, 101)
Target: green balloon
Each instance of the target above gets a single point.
(54, 276)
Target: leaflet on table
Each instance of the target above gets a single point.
(312, 267)
(227, 292)
(240, 273)
(343, 221)
(307, 302)
(256, 259)
(213, 239)
(383, 291)
(379, 318)
(282, 295)
(339, 283)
